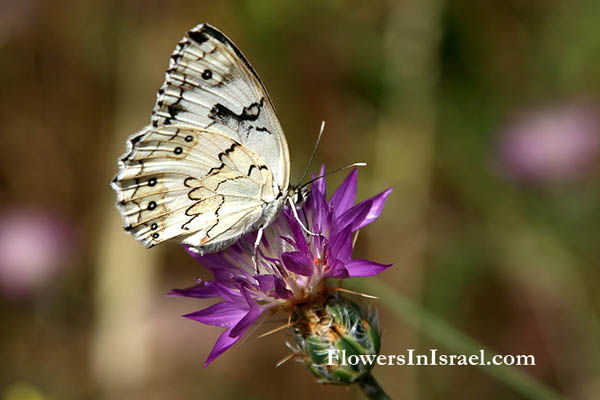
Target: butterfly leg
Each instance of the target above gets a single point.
(259, 235)
(304, 228)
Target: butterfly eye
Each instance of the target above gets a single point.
(207, 74)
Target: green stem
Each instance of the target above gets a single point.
(371, 388)
(440, 331)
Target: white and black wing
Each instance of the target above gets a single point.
(213, 164)
(210, 84)
(198, 185)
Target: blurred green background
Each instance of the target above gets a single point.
(483, 115)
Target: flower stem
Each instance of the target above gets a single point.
(371, 388)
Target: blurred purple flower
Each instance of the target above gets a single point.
(292, 266)
(15, 17)
(34, 245)
(551, 145)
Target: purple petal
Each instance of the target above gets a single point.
(225, 313)
(345, 195)
(202, 291)
(318, 187)
(231, 335)
(340, 244)
(229, 292)
(318, 244)
(287, 239)
(224, 342)
(248, 294)
(336, 269)
(359, 267)
(354, 217)
(207, 290)
(376, 208)
(266, 283)
(281, 289)
(250, 318)
(364, 212)
(273, 286)
(297, 232)
(298, 262)
(317, 204)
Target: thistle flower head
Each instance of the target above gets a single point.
(327, 333)
(291, 267)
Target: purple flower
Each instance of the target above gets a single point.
(35, 245)
(551, 145)
(293, 266)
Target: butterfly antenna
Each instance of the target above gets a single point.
(314, 152)
(358, 164)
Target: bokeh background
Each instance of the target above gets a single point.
(483, 115)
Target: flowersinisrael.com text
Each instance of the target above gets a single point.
(339, 357)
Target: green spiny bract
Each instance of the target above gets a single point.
(329, 332)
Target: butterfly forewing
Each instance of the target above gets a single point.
(210, 85)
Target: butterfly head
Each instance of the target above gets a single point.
(298, 194)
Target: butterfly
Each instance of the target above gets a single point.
(213, 164)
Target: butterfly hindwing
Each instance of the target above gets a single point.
(210, 187)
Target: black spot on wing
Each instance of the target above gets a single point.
(260, 168)
(136, 139)
(227, 151)
(176, 58)
(220, 113)
(198, 36)
(262, 129)
(206, 74)
(175, 109)
(252, 112)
